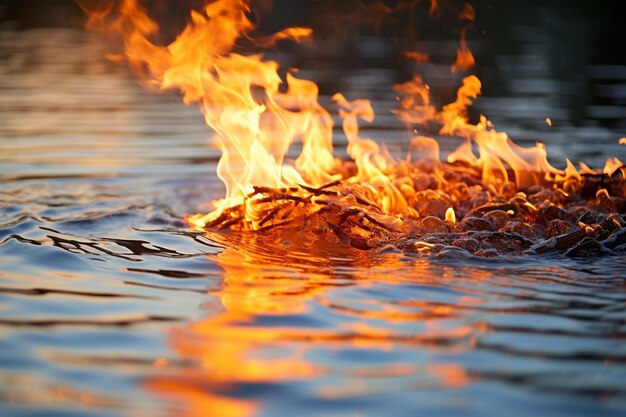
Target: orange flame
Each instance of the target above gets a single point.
(241, 96)
(496, 151)
(612, 165)
(464, 58)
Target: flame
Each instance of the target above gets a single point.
(415, 107)
(450, 216)
(370, 160)
(464, 58)
(612, 165)
(257, 115)
(496, 151)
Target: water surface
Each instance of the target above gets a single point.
(111, 305)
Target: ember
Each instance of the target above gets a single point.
(500, 200)
(512, 222)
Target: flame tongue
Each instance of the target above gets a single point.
(255, 130)
(239, 95)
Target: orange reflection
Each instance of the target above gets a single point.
(273, 282)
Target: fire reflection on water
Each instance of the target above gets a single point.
(260, 332)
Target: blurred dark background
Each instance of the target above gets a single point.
(560, 59)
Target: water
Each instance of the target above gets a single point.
(112, 306)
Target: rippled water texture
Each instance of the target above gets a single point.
(110, 305)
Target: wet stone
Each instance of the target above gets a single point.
(487, 253)
(588, 247)
(469, 244)
(498, 217)
(476, 223)
(558, 227)
(616, 240)
(434, 224)
(520, 228)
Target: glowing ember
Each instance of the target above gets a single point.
(501, 199)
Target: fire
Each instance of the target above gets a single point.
(450, 216)
(464, 57)
(374, 198)
(240, 96)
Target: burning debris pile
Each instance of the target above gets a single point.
(489, 197)
(465, 218)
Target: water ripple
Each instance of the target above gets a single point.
(111, 305)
